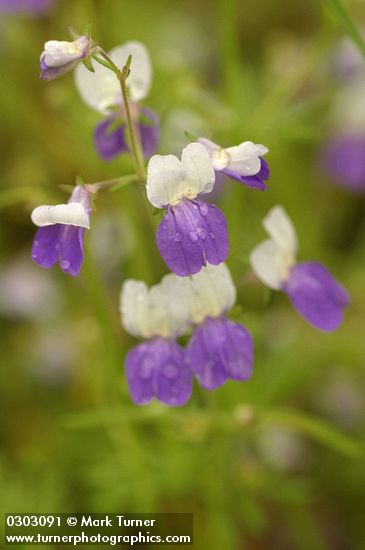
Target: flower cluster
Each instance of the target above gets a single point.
(217, 350)
(192, 237)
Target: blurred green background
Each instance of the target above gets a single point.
(272, 464)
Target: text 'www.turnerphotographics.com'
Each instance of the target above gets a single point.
(110, 529)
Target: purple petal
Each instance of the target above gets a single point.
(110, 144)
(157, 368)
(220, 349)
(192, 234)
(150, 133)
(256, 181)
(50, 73)
(71, 251)
(316, 295)
(46, 246)
(344, 161)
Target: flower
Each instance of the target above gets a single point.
(219, 349)
(343, 159)
(243, 162)
(157, 367)
(60, 237)
(313, 291)
(192, 233)
(101, 91)
(34, 7)
(60, 57)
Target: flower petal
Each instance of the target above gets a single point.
(280, 227)
(270, 263)
(73, 213)
(192, 234)
(316, 295)
(157, 368)
(198, 167)
(45, 246)
(110, 144)
(158, 311)
(100, 90)
(256, 181)
(344, 161)
(164, 177)
(220, 349)
(209, 293)
(71, 249)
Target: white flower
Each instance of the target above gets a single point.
(101, 90)
(170, 180)
(158, 311)
(209, 293)
(243, 159)
(272, 259)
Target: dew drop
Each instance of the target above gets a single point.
(177, 237)
(204, 209)
(65, 264)
(212, 236)
(201, 232)
(193, 236)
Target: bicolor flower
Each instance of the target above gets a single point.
(60, 237)
(313, 291)
(157, 367)
(219, 349)
(101, 91)
(192, 232)
(243, 163)
(60, 57)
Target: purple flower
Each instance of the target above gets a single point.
(219, 349)
(60, 237)
(34, 7)
(110, 137)
(243, 163)
(157, 367)
(60, 57)
(343, 159)
(313, 291)
(192, 233)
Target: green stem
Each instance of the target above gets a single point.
(135, 140)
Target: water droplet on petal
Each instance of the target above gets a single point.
(146, 369)
(177, 237)
(201, 233)
(193, 236)
(65, 264)
(204, 209)
(212, 236)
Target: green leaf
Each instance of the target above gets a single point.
(88, 64)
(190, 136)
(316, 428)
(340, 13)
(103, 62)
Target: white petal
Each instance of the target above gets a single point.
(158, 311)
(134, 308)
(198, 167)
(57, 53)
(209, 145)
(164, 177)
(99, 90)
(139, 79)
(270, 263)
(244, 158)
(280, 227)
(210, 292)
(72, 213)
